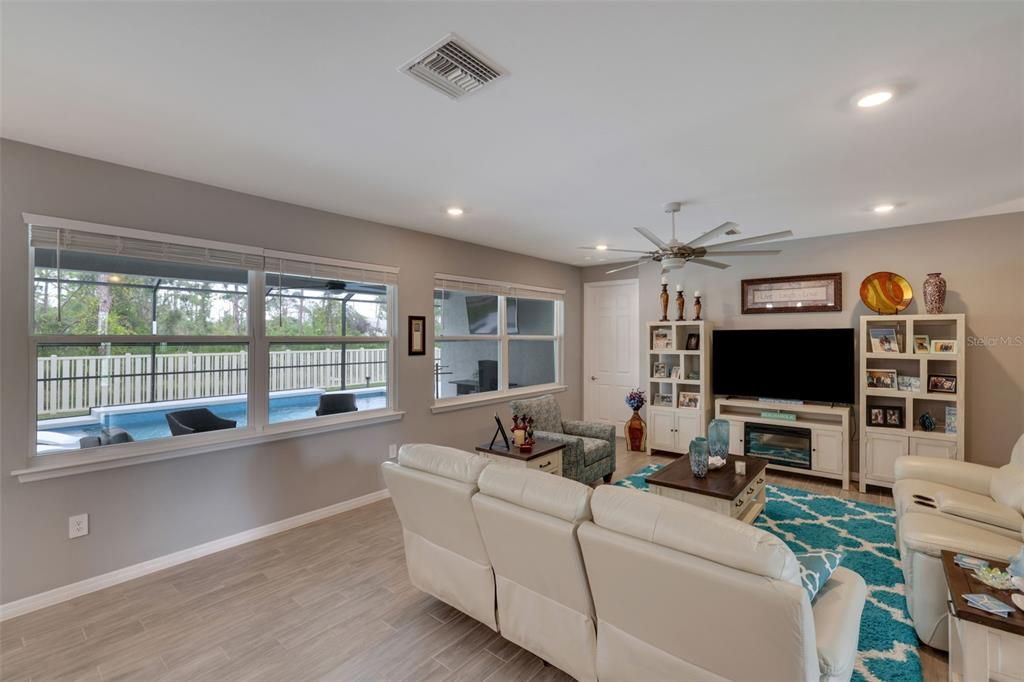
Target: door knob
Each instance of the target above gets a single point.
(593, 378)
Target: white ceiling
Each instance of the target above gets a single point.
(739, 109)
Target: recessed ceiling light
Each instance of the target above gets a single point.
(883, 208)
(454, 211)
(601, 247)
(873, 99)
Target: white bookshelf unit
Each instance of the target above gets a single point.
(670, 428)
(881, 445)
(829, 429)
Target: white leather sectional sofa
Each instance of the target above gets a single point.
(616, 584)
(956, 506)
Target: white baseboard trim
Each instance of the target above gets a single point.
(66, 592)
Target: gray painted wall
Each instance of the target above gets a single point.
(982, 260)
(148, 510)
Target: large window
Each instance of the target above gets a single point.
(137, 339)
(492, 337)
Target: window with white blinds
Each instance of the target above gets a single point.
(140, 337)
(494, 337)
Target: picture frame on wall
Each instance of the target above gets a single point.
(417, 335)
(822, 293)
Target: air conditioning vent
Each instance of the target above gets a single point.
(453, 68)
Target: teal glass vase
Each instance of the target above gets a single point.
(718, 438)
(699, 457)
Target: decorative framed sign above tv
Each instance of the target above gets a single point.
(793, 294)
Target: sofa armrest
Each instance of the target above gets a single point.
(605, 432)
(974, 478)
(837, 610)
(931, 533)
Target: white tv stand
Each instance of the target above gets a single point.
(829, 427)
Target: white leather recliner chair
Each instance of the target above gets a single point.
(529, 521)
(682, 593)
(956, 506)
(432, 487)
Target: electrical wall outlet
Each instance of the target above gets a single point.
(393, 451)
(78, 525)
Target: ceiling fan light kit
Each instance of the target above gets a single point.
(673, 254)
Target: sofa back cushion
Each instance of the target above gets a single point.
(547, 416)
(528, 520)
(432, 489)
(1017, 454)
(683, 593)
(700, 532)
(1007, 486)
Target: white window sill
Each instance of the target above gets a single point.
(466, 402)
(42, 467)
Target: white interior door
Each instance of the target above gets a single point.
(611, 349)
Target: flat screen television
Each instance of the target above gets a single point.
(816, 365)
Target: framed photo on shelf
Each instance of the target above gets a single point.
(894, 417)
(660, 370)
(663, 399)
(876, 416)
(908, 383)
(661, 339)
(792, 294)
(689, 399)
(944, 346)
(951, 419)
(693, 342)
(674, 373)
(883, 340)
(941, 383)
(882, 378)
(922, 344)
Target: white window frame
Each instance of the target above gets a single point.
(504, 291)
(257, 428)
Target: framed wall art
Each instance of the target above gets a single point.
(795, 294)
(417, 335)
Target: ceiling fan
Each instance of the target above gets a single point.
(674, 254)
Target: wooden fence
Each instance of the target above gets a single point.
(75, 384)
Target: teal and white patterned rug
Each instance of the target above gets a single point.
(866, 534)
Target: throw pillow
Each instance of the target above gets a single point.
(816, 567)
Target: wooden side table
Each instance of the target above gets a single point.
(982, 645)
(545, 456)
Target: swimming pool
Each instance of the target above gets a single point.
(145, 422)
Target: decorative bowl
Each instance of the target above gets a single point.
(993, 577)
(1018, 599)
(716, 463)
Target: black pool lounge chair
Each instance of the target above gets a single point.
(336, 403)
(199, 420)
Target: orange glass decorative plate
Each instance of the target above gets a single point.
(886, 292)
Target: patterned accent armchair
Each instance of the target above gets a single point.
(589, 446)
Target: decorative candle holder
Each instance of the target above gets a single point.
(664, 302)
(680, 305)
(696, 305)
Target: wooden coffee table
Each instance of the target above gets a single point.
(982, 646)
(723, 491)
(545, 456)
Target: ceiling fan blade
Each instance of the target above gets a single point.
(710, 263)
(754, 240)
(651, 237)
(594, 248)
(711, 234)
(764, 252)
(627, 267)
